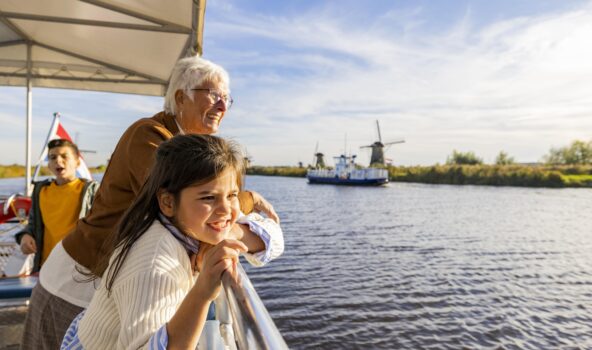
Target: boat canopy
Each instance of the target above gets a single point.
(124, 46)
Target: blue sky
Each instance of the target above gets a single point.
(481, 76)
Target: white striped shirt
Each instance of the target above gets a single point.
(152, 283)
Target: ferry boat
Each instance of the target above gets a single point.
(346, 173)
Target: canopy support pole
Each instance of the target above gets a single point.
(29, 123)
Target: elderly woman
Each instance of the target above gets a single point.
(196, 101)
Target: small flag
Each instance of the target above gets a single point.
(57, 131)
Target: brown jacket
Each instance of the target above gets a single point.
(126, 173)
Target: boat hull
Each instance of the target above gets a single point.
(347, 173)
(347, 182)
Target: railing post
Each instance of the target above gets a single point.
(253, 327)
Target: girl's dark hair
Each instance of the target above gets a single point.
(182, 161)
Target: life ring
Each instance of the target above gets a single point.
(15, 206)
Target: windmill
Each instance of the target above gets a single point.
(318, 158)
(247, 159)
(81, 150)
(377, 156)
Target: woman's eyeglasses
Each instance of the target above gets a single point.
(217, 96)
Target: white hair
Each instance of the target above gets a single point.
(188, 73)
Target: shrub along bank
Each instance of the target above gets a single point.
(496, 175)
(277, 171)
(19, 170)
(488, 175)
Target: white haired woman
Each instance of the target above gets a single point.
(196, 101)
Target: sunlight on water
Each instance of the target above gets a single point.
(415, 266)
(412, 266)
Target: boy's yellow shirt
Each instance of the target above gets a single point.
(60, 207)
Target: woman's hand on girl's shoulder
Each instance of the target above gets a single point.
(261, 205)
(213, 262)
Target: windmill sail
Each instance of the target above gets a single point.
(377, 156)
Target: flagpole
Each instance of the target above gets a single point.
(29, 124)
(56, 118)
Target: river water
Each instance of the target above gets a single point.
(411, 266)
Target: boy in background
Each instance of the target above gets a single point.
(56, 204)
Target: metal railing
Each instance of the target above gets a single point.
(252, 325)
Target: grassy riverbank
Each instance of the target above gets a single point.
(489, 175)
(277, 171)
(496, 175)
(19, 170)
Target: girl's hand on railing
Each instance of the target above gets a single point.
(214, 261)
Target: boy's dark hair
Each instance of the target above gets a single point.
(63, 143)
(181, 162)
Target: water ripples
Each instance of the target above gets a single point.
(415, 266)
(429, 267)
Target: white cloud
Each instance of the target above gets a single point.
(141, 105)
(519, 84)
(83, 121)
(485, 89)
(11, 122)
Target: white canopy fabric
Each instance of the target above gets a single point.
(125, 46)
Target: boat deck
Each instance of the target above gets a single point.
(13, 308)
(12, 319)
